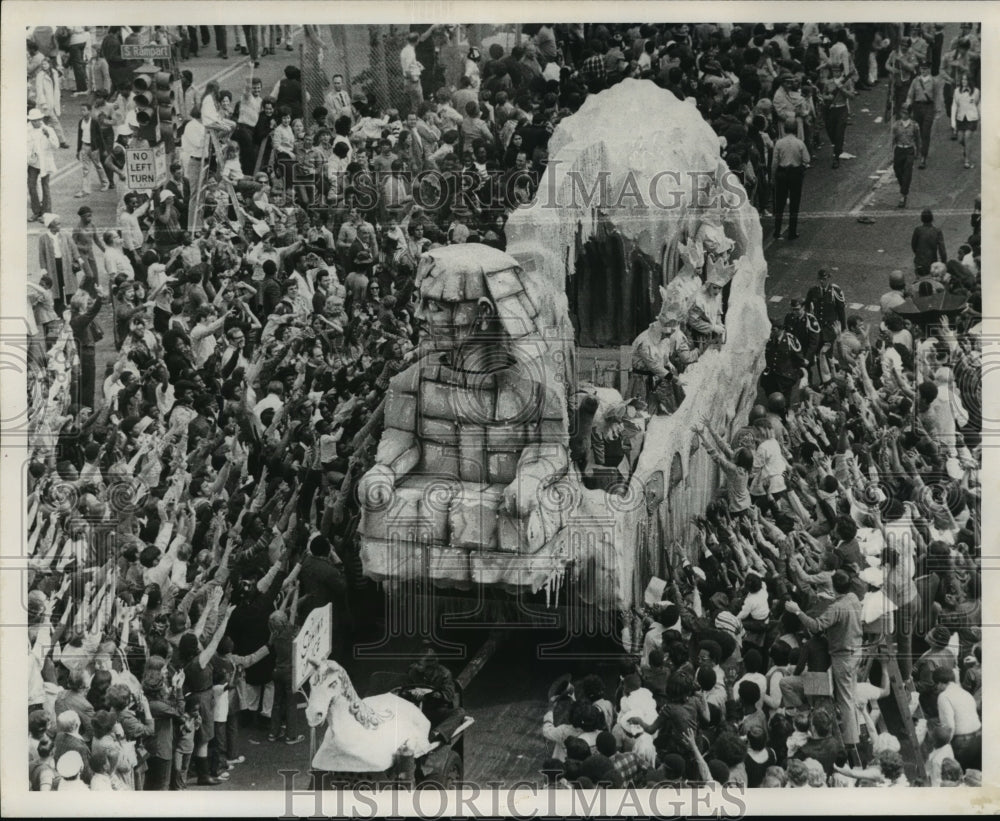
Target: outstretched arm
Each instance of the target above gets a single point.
(209, 652)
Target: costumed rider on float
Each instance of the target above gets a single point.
(704, 319)
(659, 355)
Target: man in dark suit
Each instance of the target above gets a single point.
(181, 188)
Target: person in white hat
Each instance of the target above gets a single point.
(704, 318)
(649, 362)
(167, 231)
(41, 145)
(59, 257)
(70, 766)
(661, 349)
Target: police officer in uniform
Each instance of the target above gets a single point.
(783, 363)
(805, 328)
(825, 301)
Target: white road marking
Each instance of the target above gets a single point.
(219, 75)
(854, 306)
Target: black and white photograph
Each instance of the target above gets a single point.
(428, 406)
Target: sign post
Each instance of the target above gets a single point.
(148, 52)
(145, 168)
(312, 643)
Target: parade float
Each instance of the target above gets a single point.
(481, 481)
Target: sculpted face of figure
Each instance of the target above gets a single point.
(449, 324)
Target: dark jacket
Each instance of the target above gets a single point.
(82, 325)
(96, 136)
(77, 702)
(64, 743)
(928, 246)
(249, 631)
(290, 95)
(824, 750)
(161, 743)
(281, 649)
(320, 583)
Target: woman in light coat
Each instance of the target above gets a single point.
(965, 114)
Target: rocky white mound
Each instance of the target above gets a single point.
(663, 177)
(661, 170)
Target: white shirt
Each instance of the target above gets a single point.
(839, 56)
(755, 606)
(80, 35)
(409, 63)
(193, 140)
(203, 343)
(934, 760)
(283, 139)
(131, 231)
(210, 115)
(115, 262)
(757, 678)
(250, 110)
(769, 468)
(965, 106)
(957, 710)
(40, 149)
(268, 402)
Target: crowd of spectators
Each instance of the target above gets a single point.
(843, 550)
(189, 506)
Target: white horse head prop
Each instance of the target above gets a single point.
(362, 735)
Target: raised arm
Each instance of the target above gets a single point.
(208, 653)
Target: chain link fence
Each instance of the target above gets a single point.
(367, 57)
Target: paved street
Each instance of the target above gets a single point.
(862, 255)
(508, 698)
(65, 182)
(230, 74)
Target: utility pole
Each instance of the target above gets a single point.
(380, 67)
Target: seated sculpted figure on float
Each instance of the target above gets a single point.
(476, 429)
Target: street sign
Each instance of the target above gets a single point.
(149, 52)
(312, 643)
(145, 168)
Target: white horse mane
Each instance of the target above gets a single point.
(362, 713)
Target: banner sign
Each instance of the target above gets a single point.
(313, 642)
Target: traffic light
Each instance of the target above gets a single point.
(145, 110)
(165, 108)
